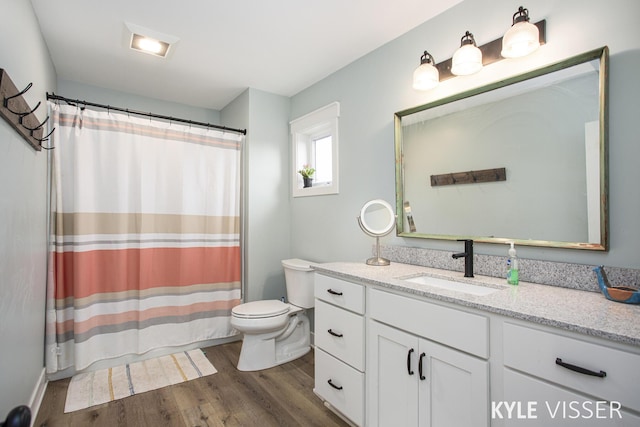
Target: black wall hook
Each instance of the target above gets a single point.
(22, 92)
(46, 138)
(23, 115)
(37, 127)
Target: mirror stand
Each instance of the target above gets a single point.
(378, 260)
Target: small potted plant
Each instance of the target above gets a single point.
(307, 175)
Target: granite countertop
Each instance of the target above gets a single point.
(584, 312)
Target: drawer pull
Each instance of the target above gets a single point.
(332, 292)
(580, 370)
(409, 370)
(334, 334)
(337, 387)
(422, 377)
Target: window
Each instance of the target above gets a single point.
(315, 145)
(323, 161)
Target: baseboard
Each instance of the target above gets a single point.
(333, 409)
(37, 395)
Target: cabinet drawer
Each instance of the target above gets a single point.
(347, 392)
(458, 329)
(535, 351)
(557, 406)
(340, 333)
(340, 292)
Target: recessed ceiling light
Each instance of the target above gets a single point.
(150, 41)
(149, 45)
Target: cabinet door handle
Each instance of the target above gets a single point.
(337, 387)
(579, 369)
(332, 292)
(334, 334)
(409, 370)
(422, 377)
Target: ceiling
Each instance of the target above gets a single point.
(224, 47)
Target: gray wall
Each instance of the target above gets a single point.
(266, 228)
(24, 56)
(371, 89)
(75, 90)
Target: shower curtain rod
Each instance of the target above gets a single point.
(142, 113)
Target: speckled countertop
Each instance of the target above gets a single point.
(584, 312)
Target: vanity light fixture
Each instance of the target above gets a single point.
(468, 58)
(149, 41)
(522, 38)
(426, 76)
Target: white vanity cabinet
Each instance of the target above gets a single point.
(429, 362)
(340, 341)
(569, 380)
(414, 377)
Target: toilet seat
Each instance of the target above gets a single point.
(260, 309)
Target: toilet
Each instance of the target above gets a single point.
(276, 332)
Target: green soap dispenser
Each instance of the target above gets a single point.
(512, 266)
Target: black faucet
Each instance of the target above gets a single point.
(468, 257)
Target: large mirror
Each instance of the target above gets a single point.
(522, 160)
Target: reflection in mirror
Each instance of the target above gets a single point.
(377, 219)
(521, 160)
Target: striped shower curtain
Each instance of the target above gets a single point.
(145, 236)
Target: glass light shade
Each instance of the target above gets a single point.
(466, 60)
(520, 40)
(425, 77)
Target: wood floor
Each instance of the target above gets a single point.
(280, 396)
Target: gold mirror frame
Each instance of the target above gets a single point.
(601, 54)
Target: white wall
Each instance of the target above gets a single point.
(371, 89)
(23, 55)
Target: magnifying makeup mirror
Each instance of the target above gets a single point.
(377, 219)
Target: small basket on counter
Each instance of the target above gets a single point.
(624, 294)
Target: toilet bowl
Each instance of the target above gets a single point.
(275, 332)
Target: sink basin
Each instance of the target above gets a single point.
(468, 288)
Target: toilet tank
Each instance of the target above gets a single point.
(299, 280)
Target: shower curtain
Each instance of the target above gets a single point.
(145, 236)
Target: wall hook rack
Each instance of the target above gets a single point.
(17, 112)
(469, 177)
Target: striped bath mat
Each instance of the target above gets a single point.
(106, 385)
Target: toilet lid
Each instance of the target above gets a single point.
(266, 308)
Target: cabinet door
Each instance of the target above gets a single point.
(454, 387)
(392, 377)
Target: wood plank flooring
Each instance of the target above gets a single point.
(280, 396)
